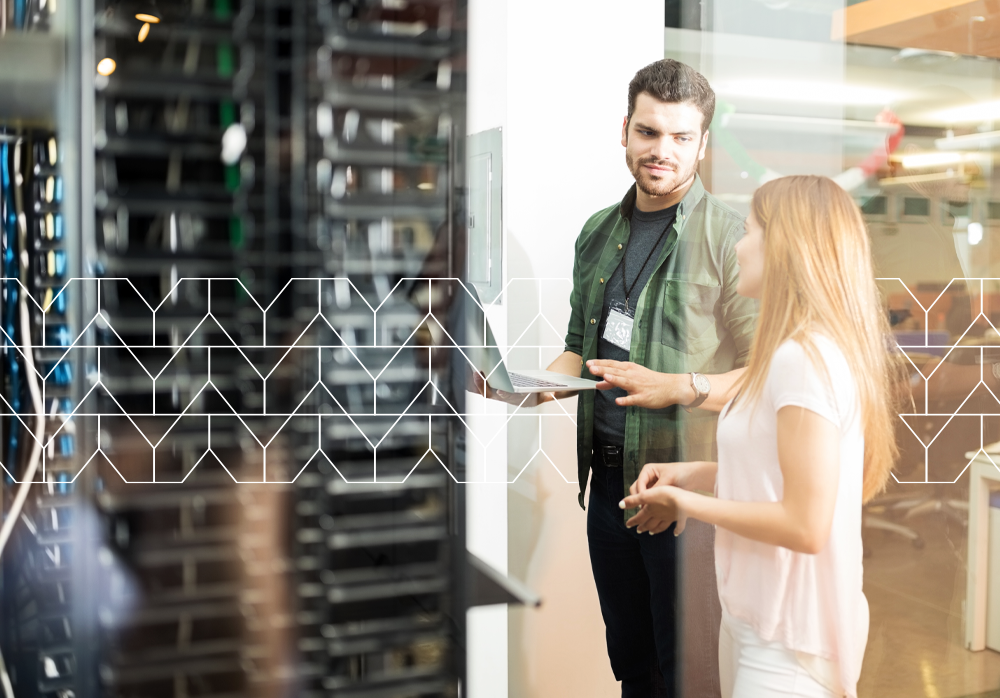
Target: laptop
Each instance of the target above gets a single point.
(486, 357)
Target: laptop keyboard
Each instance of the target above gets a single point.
(519, 381)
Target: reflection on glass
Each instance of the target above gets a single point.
(899, 105)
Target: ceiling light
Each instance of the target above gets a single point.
(970, 140)
(981, 111)
(143, 32)
(921, 160)
(811, 91)
(149, 19)
(106, 66)
(924, 55)
(808, 124)
(932, 178)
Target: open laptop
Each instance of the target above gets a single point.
(487, 359)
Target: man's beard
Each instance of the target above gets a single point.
(661, 186)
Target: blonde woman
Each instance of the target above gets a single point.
(805, 441)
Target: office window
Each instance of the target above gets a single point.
(916, 207)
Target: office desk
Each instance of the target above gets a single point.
(985, 476)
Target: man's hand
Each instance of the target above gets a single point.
(645, 388)
(654, 391)
(520, 399)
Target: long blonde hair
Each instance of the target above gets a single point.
(818, 276)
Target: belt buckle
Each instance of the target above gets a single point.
(612, 456)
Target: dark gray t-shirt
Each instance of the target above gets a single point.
(644, 238)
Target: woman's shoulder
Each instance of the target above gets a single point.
(795, 351)
(813, 364)
(815, 359)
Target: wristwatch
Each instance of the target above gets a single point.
(702, 387)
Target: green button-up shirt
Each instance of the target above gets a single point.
(688, 318)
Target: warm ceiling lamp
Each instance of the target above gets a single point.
(150, 16)
(106, 66)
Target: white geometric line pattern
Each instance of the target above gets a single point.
(388, 330)
(946, 392)
(339, 298)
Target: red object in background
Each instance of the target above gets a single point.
(880, 155)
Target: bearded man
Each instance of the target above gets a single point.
(655, 309)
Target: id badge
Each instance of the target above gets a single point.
(618, 328)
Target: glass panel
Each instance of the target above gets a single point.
(899, 105)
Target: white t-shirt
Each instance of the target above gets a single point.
(812, 604)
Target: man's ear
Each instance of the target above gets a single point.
(625, 131)
(704, 146)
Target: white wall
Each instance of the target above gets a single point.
(554, 75)
(486, 493)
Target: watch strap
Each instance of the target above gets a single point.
(701, 397)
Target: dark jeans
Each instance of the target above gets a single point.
(636, 578)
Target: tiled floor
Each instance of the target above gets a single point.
(915, 644)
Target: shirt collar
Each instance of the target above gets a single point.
(693, 197)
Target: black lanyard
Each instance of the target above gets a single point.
(628, 289)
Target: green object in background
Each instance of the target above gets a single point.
(223, 9)
(225, 63)
(227, 117)
(224, 60)
(232, 177)
(236, 239)
(227, 113)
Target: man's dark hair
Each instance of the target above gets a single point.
(671, 81)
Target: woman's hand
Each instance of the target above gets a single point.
(658, 508)
(658, 474)
(645, 388)
(697, 475)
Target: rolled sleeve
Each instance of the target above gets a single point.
(575, 330)
(739, 314)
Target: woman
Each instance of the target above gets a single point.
(805, 441)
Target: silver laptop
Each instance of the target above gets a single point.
(486, 357)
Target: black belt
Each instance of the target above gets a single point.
(609, 456)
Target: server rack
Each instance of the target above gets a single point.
(340, 128)
(382, 563)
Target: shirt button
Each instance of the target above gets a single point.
(602, 281)
(619, 245)
(593, 321)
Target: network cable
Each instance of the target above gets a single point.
(39, 434)
(10, 272)
(11, 221)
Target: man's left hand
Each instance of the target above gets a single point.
(645, 388)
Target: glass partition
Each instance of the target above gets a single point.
(898, 104)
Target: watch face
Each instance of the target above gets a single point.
(702, 384)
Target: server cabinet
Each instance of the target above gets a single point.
(249, 445)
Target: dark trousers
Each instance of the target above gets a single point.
(636, 578)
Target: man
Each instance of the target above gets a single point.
(654, 306)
